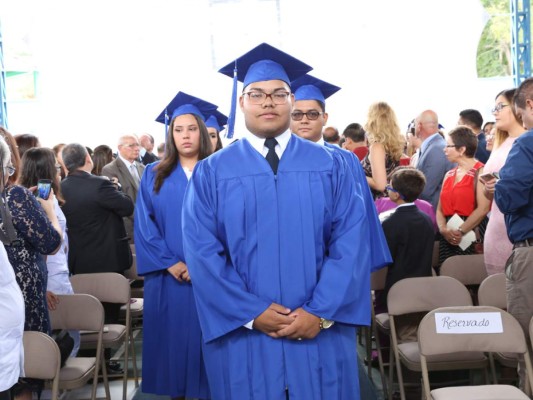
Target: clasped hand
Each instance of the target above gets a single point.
(180, 272)
(278, 321)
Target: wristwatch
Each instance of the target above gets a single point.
(326, 323)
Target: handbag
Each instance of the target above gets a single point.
(478, 244)
(64, 342)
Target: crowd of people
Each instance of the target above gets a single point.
(257, 257)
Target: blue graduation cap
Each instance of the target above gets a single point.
(217, 121)
(308, 87)
(262, 63)
(184, 103)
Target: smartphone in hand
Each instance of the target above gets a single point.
(489, 176)
(44, 187)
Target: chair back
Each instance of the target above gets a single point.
(78, 312)
(109, 287)
(42, 359)
(412, 295)
(511, 340)
(467, 269)
(492, 291)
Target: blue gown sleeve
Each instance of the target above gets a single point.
(513, 190)
(380, 255)
(342, 293)
(151, 248)
(223, 301)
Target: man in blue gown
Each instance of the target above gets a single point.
(272, 227)
(308, 118)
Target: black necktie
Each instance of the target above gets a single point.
(271, 156)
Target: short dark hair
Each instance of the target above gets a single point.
(524, 92)
(355, 132)
(409, 182)
(472, 117)
(463, 136)
(74, 155)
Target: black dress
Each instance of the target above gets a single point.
(390, 164)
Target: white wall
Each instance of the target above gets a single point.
(109, 67)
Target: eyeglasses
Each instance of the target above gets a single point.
(10, 170)
(132, 145)
(389, 188)
(450, 145)
(499, 107)
(258, 97)
(311, 115)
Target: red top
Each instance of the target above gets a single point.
(404, 161)
(459, 198)
(361, 152)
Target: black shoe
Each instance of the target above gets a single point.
(114, 368)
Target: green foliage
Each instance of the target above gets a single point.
(494, 48)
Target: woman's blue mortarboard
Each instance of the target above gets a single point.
(217, 121)
(182, 104)
(308, 87)
(262, 63)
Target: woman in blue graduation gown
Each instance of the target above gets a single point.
(172, 356)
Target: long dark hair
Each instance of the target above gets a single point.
(102, 155)
(40, 163)
(172, 157)
(26, 141)
(219, 142)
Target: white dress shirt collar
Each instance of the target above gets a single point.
(259, 143)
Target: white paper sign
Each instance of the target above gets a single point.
(465, 323)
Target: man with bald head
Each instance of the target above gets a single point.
(432, 161)
(146, 154)
(128, 171)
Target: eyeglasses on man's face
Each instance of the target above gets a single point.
(259, 97)
(448, 146)
(132, 145)
(499, 107)
(311, 115)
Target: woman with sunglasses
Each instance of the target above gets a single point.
(461, 195)
(497, 247)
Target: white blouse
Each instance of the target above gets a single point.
(11, 325)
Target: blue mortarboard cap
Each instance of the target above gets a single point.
(217, 121)
(262, 63)
(184, 103)
(308, 87)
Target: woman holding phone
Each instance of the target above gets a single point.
(40, 168)
(36, 231)
(497, 248)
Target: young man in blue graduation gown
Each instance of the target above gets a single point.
(308, 118)
(272, 226)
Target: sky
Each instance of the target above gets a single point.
(109, 67)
